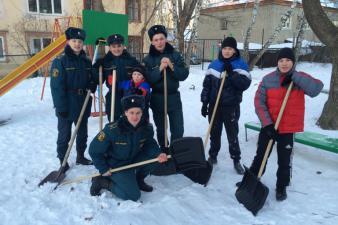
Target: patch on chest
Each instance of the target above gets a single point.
(121, 143)
(101, 136)
(142, 142)
(55, 72)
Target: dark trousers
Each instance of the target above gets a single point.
(125, 183)
(64, 135)
(227, 116)
(175, 122)
(284, 153)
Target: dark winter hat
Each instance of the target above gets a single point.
(132, 101)
(157, 29)
(75, 33)
(139, 68)
(286, 53)
(115, 39)
(229, 42)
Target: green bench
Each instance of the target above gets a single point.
(307, 138)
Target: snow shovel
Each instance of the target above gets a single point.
(189, 159)
(58, 176)
(252, 193)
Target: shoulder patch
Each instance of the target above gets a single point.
(101, 136)
(112, 125)
(55, 72)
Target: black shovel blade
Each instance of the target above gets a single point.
(188, 152)
(54, 177)
(252, 193)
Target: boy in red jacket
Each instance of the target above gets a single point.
(268, 100)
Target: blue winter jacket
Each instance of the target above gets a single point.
(236, 82)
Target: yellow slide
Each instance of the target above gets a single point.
(31, 65)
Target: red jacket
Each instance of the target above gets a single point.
(270, 95)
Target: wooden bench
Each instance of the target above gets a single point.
(307, 138)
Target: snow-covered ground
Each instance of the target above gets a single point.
(28, 154)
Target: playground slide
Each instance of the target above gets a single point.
(31, 65)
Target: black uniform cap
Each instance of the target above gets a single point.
(115, 39)
(132, 101)
(75, 33)
(157, 29)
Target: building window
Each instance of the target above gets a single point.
(224, 24)
(133, 10)
(2, 48)
(45, 6)
(37, 44)
(134, 46)
(287, 24)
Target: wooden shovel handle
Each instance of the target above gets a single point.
(100, 97)
(113, 87)
(279, 117)
(113, 170)
(165, 108)
(215, 109)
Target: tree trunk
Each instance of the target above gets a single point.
(249, 30)
(300, 37)
(98, 6)
(329, 119)
(193, 33)
(273, 36)
(175, 19)
(327, 33)
(147, 20)
(182, 19)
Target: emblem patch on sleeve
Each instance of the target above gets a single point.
(55, 72)
(101, 136)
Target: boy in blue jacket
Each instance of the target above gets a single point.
(137, 86)
(238, 80)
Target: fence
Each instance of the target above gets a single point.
(204, 50)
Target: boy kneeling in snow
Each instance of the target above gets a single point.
(129, 140)
(268, 100)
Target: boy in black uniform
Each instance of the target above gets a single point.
(71, 77)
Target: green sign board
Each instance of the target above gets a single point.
(102, 24)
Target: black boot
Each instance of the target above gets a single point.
(238, 167)
(80, 159)
(99, 183)
(143, 185)
(212, 160)
(66, 166)
(281, 193)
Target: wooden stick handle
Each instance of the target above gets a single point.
(279, 117)
(112, 106)
(100, 97)
(215, 109)
(165, 108)
(113, 170)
